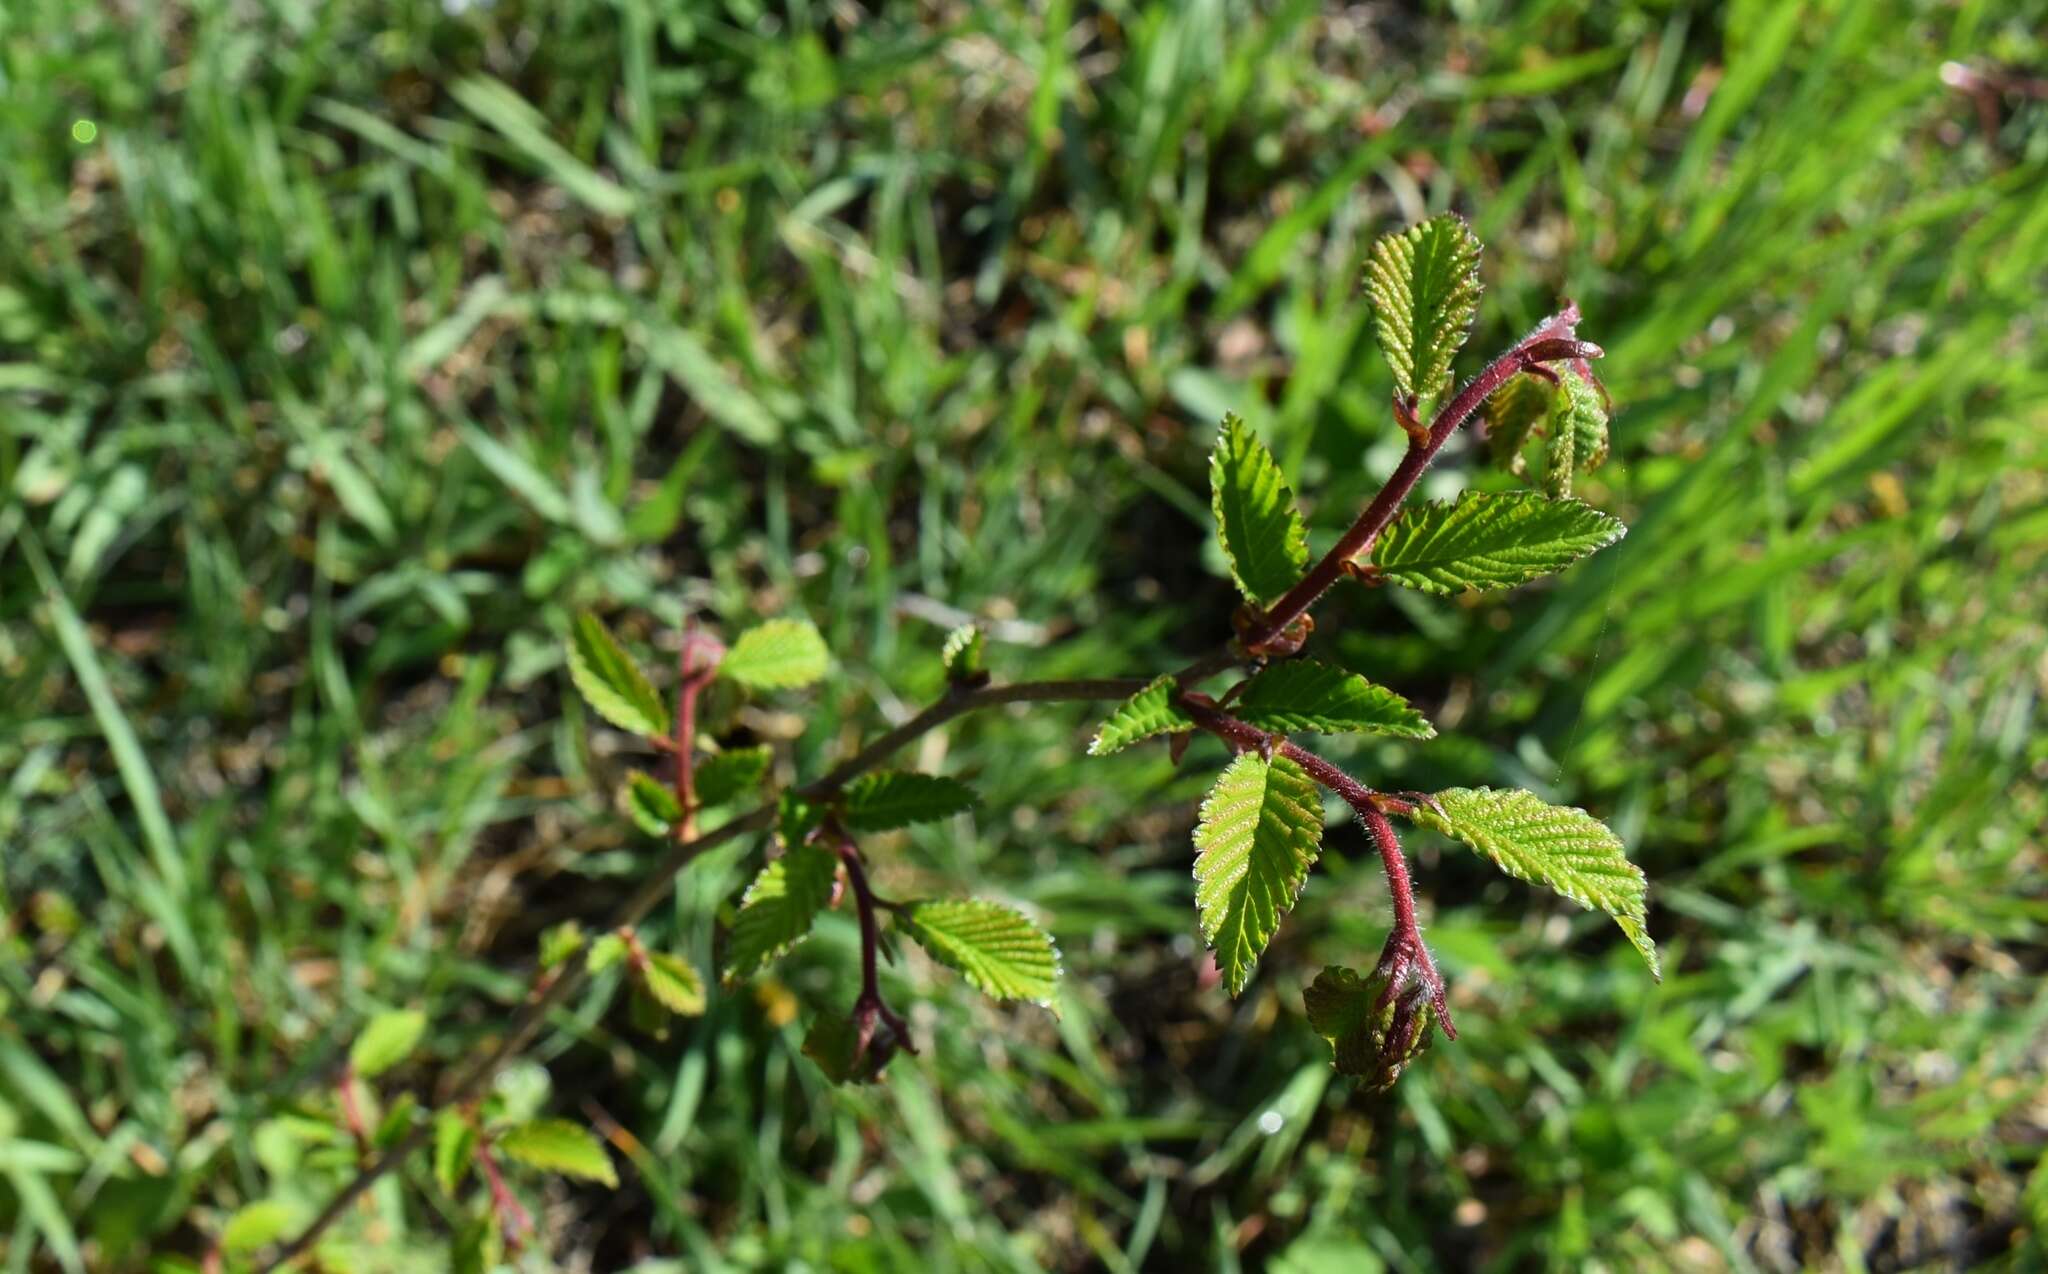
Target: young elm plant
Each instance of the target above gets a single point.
(1260, 829)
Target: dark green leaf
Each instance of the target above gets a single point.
(1300, 694)
(779, 908)
(1488, 540)
(1262, 532)
(891, 798)
(1149, 712)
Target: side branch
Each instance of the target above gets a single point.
(527, 1022)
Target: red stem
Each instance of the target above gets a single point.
(1550, 342)
(513, 1221)
(870, 1006)
(351, 1111)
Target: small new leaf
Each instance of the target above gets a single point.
(1001, 952)
(1488, 540)
(1515, 412)
(891, 798)
(556, 1145)
(386, 1040)
(607, 951)
(255, 1226)
(1260, 831)
(559, 943)
(1300, 694)
(611, 682)
(834, 1044)
(1262, 532)
(454, 1149)
(963, 653)
(1577, 427)
(1424, 286)
(674, 983)
(779, 908)
(1149, 712)
(730, 774)
(1374, 1031)
(649, 802)
(1555, 845)
(781, 654)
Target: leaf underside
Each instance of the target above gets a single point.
(1262, 532)
(1514, 413)
(1001, 952)
(779, 909)
(1301, 694)
(1261, 829)
(1423, 283)
(1559, 846)
(1151, 711)
(1489, 540)
(1356, 1016)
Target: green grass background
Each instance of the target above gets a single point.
(351, 347)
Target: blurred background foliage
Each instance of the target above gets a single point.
(346, 349)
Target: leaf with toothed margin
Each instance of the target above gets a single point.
(1149, 712)
(1487, 540)
(1577, 429)
(1556, 845)
(1514, 413)
(1000, 951)
(731, 774)
(556, 1145)
(1301, 694)
(674, 983)
(1262, 532)
(650, 803)
(779, 908)
(610, 682)
(1261, 829)
(1423, 283)
(780, 654)
(963, 652)
(889, 799)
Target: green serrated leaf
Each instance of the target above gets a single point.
(779, 908)
(1000, 951)
(1424, 286)
(892, 798)
(781, 654)
(611, 682)
(559, 943)
(674, 983)
(1263, 537)
(255, 1226)
(1301, 694)
(607, 951)
(1260, 831)
(649, 802)
(1488, 540)
(731, 774)
(1556, 845)
(1373, 1035)
(1515, 412)
(386, 1040)
(1577, 428)
(454, 1149)
(1149, 712)
(396, 1122)
(963, 652)
(556, 1145)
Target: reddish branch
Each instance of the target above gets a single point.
(869, 1008)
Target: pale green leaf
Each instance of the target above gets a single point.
(781, 654)
(386, 1040)
(560, 942)
(674, 983)
(1263, 537)
(731, 774)
(1149, 712)
(1424, 287)
(556, 1145)
(779, 908)
(1001, 952)
(454, 1149)
(611, 682)
(650, 803)
(607, 951)
(1260, 831)
(1577, 428)
(1301, 694)
(963, 652)
(1555, 845)
(255, 1226)
(891, 798)
(1514, 413)
(1488, 540)
(1373, 1032)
